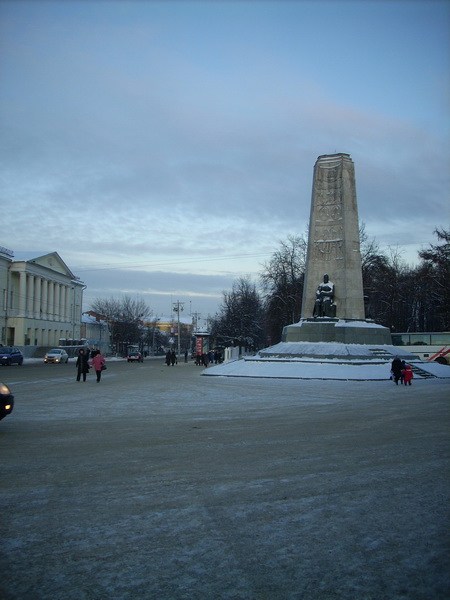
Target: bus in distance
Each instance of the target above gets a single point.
(428, 346)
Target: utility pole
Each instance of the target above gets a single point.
(195, 318)
(155, 322)
(178, 307)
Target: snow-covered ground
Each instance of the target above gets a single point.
(159, 483)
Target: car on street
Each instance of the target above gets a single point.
(135, 357)
(6, 400)
(10, 355)
(56, 355)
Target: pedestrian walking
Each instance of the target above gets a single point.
(396, 369)
(407, 375)
(82, 364)
(168, 356)
(173, 358)
(98, 362)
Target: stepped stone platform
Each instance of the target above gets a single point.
(336, 352)
(326, 360)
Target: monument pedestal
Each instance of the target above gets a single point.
(343, 331)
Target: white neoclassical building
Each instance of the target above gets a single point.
(41, 300)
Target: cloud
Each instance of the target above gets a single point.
(158, 288)
(145, 137)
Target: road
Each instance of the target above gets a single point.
(158, 483)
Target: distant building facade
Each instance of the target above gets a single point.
(169, 325)
(95, 330)
(41, 300)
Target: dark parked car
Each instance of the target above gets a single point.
(10, 355)
(135, 357)
(6, 400)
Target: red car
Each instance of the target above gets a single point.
(135, 357)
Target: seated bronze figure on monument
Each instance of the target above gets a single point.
(324, 305)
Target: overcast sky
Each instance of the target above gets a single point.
(163, 149)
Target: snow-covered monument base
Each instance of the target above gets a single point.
(326, 360)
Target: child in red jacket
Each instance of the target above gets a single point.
(407, 375)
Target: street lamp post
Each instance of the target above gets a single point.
(178, 307)
(155, 322)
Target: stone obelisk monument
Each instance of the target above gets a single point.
(333, 244)
(333, 299)
(333, 329)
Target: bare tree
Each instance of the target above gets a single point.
(434, 272)
(240, 320)
(282, 280)
(125, 318)
(405, 298)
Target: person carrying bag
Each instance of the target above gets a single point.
(98, 362)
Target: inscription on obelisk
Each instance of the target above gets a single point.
(333, 244)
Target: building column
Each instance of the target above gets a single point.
(22, 293)
(37, 297)
(51, 300)
(57, 301)
(72, 312)
(44, 304)
(67, 313)
(67, 304)
(30, 295)
(62, 304)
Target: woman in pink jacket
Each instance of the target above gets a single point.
(98, 362)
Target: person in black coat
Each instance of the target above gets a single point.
(82, 364)
(396, 369)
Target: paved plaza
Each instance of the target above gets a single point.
(161, 484)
